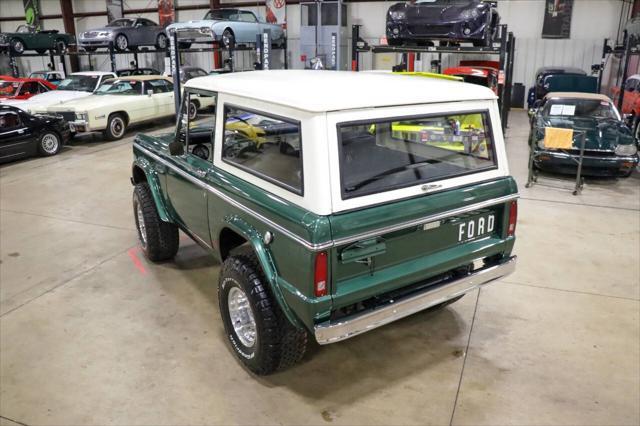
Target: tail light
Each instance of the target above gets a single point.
(320, 279)
(513, 218)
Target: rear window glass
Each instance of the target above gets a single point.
(264, 145)
(382, 155)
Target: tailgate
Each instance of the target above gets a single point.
(384, 248)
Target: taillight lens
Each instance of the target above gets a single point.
(513, 218)
(320, 279)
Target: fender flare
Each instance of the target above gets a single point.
(152, 179)
(254, 238)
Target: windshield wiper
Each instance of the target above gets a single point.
(389, 172)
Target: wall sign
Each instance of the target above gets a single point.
(166, 12)
(277, 12)
(557, 19)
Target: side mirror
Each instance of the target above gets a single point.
(176, 148)
(149, 93)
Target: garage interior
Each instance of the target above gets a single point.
(92, 333)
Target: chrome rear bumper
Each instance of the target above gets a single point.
(329, 332)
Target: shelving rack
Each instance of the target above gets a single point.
(503, 46)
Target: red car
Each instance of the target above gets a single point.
(630, 102)
(483, 76)
(22, 88)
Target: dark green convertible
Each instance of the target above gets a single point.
(28, 37)
(610, 148)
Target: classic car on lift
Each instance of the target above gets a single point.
(630, 102)
(28, 37)
(228, 27)
(357, 230)
(119, 103)
(128, 72)
(451, 20)
(25, 135)
(77, 85)
(125, 34)
(22, 88)
(610, 148)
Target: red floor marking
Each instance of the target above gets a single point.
(136, 261)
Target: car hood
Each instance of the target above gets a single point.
(100, 102)
(439, 13)
(196, 23)
(601, 133)
(99, 29)
(44, 100)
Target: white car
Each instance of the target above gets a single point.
(77, 85)
(119, 103)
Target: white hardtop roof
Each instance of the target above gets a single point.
(322, 91)
(93, 73)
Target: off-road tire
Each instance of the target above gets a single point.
(161, 241)
(279, 344)
(111, 132)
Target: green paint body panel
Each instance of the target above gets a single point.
(41, 40)
(221, 203)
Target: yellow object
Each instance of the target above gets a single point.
(556, 138)
(430, 75)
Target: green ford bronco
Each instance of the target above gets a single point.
(328, 219)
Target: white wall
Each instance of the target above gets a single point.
(593, 20)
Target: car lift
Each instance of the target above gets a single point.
(630, 46)
(505, 50)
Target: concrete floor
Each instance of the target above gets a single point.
(93, 334)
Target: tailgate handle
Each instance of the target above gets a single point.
(363, 250)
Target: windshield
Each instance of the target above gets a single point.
(473, 79)
(82, 83)
(192, 73)
(222, 14)
(8, 88)
(382, 155)
(121, 23)
(120, 87)
(23, 29)
(580, 108)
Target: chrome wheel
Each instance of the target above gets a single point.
(18, 46)
(193, 111)
(61, 46)
(228, 39)
(117, 127)
(121, 42)
(50, 143)
(244, 325)
(142, 229)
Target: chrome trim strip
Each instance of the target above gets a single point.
(425, 219)
(279, 228)
(328, 332)
(339, 241)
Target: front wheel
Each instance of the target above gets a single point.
(159, 240)
(228, 39)
(258, 332)
(161, 41)
(116, 127)
(121, 43)
(49, 143)
(193, 110)
(17, 46)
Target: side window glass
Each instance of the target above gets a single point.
(9, 120)
(264, 145)
(158, 86)
(197, 134)
(29, 87)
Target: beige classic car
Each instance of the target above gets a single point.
(119, 103)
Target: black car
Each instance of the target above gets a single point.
(26, 135)
(544, 75)
(453, 20)
(137, 71)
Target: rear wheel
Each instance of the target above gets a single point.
(116, 127)
(159, 240)
(193, 110)
(49, 143)
(258, 332)
(60, 46)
